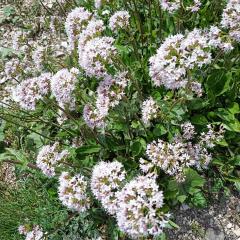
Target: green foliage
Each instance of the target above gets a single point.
(33, 201)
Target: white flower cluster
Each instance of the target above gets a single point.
(107, 179)
(92, 117)
(98, 53)
(72, 192)
(195, 7)
(172, 158)
(76, 21)
(139, 208)
(174, 5)
(188, 130)
(170, 5)
(63, 84)
(150, 110)
(182, 153)
(93, 29)
(16, 39)
(38, 56)
(119, 20)
(176, 56)
(49, 158)
(209, 138)
(110, 92)
(29, 91)
(231, 19)
(36, 233)
(11, 68)
(215, 36)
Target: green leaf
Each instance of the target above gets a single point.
(181, 198)
(88, 149)
(159, 130)
(237, 185)
(173, 224)
(193, 179)
(218, 82)
(199, 120)
(234, 108)
(137, 147)
(5, 52)
(199, 200)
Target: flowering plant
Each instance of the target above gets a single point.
(127, 108)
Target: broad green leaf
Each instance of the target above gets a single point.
(88, 149)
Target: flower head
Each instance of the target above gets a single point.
(29, 91)
(231, 19)
(76, 21)
(110, 92)
(149, 110)
(36, 232)
(63, 84)
(107, 179)
(72, 192)
(139, 208)
(98, 53)
(49, 157)
(119, 20)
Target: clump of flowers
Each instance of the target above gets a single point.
(217, 39)
(176, 56)
(98, 53)
(11, 68)
(63, 84)
(139, 211)
(93, 29)
(38, 57)
(150, 110)
(49, 157)
(181, 153)
(76, 21)
(210, 137)
(110, 91)
(172, 158)
(170, 5)
(195, 7)
(188, 130)
(231, 19)
(29, 91)
(119, 20)
(92, 117)
(72, 192)
(34, 233)
(107, 179)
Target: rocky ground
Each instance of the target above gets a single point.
(220, 221)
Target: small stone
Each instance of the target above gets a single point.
(237, 232)
(229, 226)
(213, 235)
(184, 207)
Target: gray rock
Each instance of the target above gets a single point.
(213, 235)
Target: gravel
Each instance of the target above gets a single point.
(220, 221)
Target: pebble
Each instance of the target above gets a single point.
(229, 226)
(213, 235)
(237, 232)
